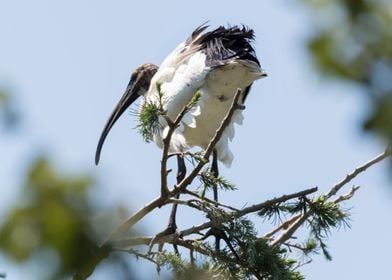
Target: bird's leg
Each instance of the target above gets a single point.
(180, 176)
(172, 226)
(215, 174)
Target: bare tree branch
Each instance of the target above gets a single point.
(357, 171)
(166, 145)
(206, 199)
(283, 225)
(348, 195)
(291, 229)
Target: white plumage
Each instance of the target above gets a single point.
(215, 63)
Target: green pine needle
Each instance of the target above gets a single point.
(327, 215)
(195, 99)
(209, 181)
(149, 121)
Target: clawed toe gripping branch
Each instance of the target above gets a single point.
(247, 253)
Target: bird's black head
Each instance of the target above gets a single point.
(141, 79)
(137, 86)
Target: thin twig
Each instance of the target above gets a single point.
(295, 246)
(347, 196)
(357, 171)
(134, 218)
(137, 254)
(193, 203)
(196, 229)
(291, 229)
(126, 242)
(146, 240)
(206, 199)
(283, 225)
(166, 145)
(301, 264)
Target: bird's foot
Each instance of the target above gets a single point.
(170, 229)
(169, 234)
(219, 234)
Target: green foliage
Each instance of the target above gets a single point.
(324, 216)
(183, 270)
(275, 212)
(171, 260)
(159, 90)
(47, 217)
(195, 99)
(255, 255)
(148, 116)
(241, 230)
(151, 111)
(310, 246)
(327, 215)
(149, 120)
(247, 255)
(381, 117)
(209, 182)
(356, 46)
(53, 215)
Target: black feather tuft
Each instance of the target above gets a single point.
(225, 43)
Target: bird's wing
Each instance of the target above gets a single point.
(224, 44)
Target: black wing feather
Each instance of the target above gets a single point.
(224, 44)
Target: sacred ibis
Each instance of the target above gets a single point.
(216, 63)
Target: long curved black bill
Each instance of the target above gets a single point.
(130, 95)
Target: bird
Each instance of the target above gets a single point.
(214, 63)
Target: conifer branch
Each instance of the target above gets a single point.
(333, 191)
(270, 202)
(245, 253)
(309, 213)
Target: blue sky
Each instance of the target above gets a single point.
(68, 63)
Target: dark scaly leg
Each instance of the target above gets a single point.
(180, 176)
(215, 231)
(215, 173)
